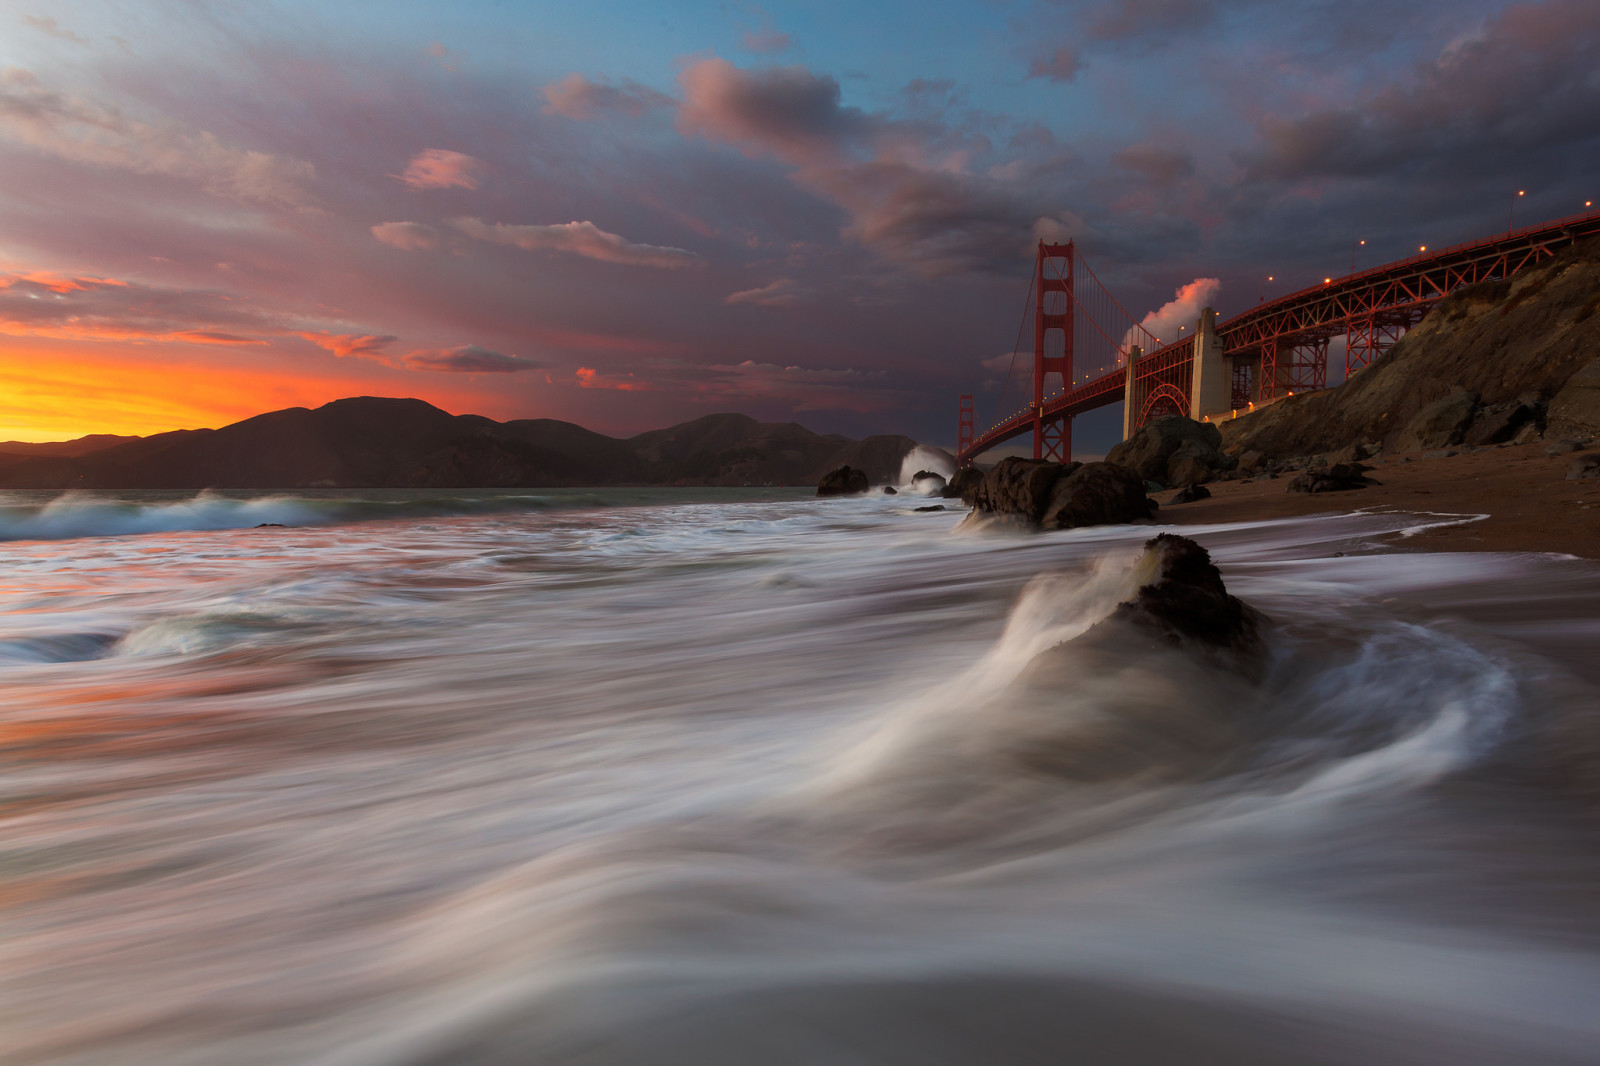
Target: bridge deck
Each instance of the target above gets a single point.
(1326, 309)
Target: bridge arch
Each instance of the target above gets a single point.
(1162, 395)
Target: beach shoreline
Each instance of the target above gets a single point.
(1527, 503)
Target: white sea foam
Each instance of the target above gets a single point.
(780, 780)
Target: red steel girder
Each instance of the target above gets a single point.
(1293, 330)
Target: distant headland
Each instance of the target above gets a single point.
(379, 442)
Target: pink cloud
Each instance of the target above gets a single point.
(578, 97)
(440, 168)
(590, 378)
(406, 236)
(577, 238)
(360, 345)
(785, 292)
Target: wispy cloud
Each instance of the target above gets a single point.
(576, 96)
(48, 24)
(784, 292)
(576, 238)
(469, 359)
(407, 236)
(81, 131)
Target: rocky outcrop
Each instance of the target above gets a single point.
(1052, 495)
(963, 485)
(1499, 340)
(1583, 468)
(1500, 422)
(845, 481)
(1181, 599)
(1190, 493)
(928, 483)
(1174, 450)
(1438, 425)
(1575, 410)
(1096, 494)
(1019, 487)
(1339, 477)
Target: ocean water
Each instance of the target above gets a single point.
(741, 776)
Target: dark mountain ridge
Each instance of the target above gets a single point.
(379, 442)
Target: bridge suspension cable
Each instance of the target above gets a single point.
(1016, 346)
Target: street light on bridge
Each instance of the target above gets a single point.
(1263, 296)
(1353, 248)
(1512, 215)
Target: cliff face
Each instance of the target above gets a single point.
(1499, 340)
(374, 442)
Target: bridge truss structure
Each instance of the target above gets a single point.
(1090, 353)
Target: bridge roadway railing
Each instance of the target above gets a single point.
(1330, 308)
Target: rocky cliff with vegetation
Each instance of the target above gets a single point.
(1486, 364)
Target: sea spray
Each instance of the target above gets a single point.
(783, 780)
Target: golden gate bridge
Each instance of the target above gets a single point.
(1088, 352)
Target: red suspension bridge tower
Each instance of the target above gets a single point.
(1052, 346)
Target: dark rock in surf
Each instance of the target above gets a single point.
(1182, 598)
(890, 490)
(1096, 494)
(271, 525)
(929, 483)
(932, 507)
(844, 481)
(1020, 488)
(963, 485)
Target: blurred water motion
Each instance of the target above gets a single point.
(711, 779)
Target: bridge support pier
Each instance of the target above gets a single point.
(1211, 387)
(1130, 403)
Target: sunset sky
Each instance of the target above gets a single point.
(628, 214)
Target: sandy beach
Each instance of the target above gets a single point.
(1529, 504)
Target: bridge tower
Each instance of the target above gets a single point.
(1052, 316)
(964, 431)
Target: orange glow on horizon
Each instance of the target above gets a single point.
(51, 394)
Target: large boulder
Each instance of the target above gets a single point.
(1184, 599)
(1575, 410)
(1336, 478)
(1438, 425)
(1020, 487)
(928, 483)
(1095, 494)
(844, 481)
(1174, 450)
(963, 485)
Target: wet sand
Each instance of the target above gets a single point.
(1529, 503)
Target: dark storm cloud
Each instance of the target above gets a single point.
(469, 359)
(1530, 82)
